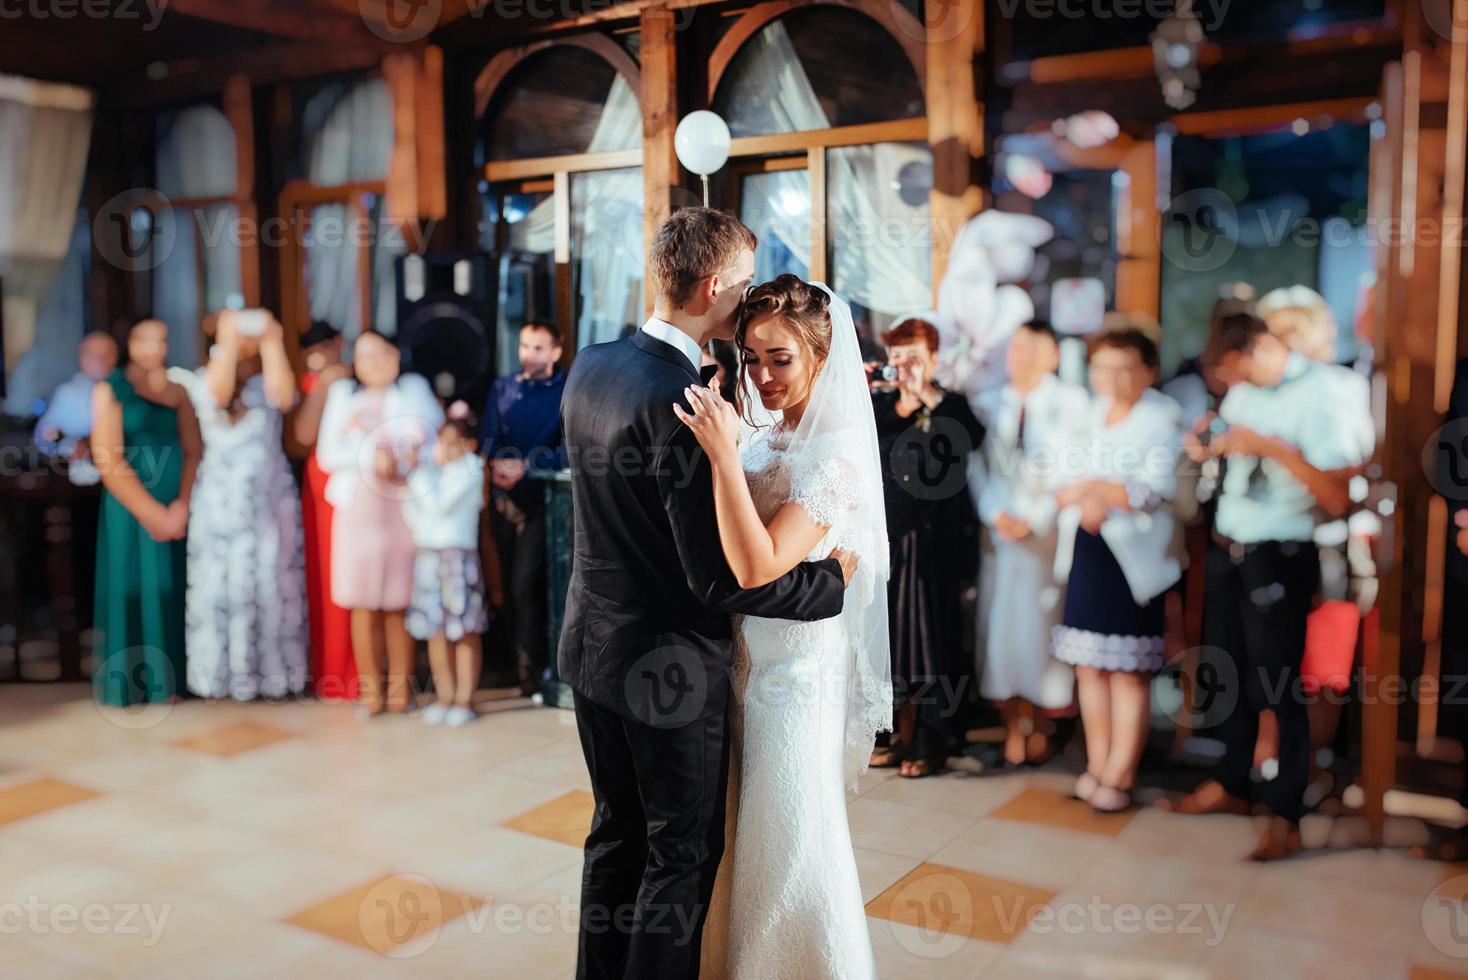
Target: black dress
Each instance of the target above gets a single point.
(932, 530)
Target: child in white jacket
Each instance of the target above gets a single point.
(448, 608)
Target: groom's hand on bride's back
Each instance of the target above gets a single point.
(848, 561)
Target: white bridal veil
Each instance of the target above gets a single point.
(836, 469)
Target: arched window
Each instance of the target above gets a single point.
(343, 271)
(195, 167)
(816, 68)
(562, 101)
(831, 163)
(562, 196)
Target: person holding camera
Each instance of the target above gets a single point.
(925, 435)
(1290, 445)
(246, 617)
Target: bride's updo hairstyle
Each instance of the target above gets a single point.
(804, 310)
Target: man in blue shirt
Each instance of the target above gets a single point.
(521, 431)
(1292, 443)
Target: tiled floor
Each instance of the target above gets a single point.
(221, 840)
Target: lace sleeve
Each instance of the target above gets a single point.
(826, 489)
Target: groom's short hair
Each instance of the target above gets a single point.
(693, 244)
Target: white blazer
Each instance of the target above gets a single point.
(344, 450)
(1007, 479)
(1140, 451)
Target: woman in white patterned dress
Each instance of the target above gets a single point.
(811, 696)
(245, 618)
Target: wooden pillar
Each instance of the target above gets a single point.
(954, 46)
(416, 192)
(239, 109)
(659, 95)
(1418, 176)
(1139, 227)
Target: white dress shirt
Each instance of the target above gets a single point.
(1021, 479)
(669, 334)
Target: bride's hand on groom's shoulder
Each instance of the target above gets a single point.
(714, 422)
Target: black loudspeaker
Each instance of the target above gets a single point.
(446, 322)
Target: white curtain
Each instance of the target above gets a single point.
(619, 128)
(45, 130)
(195, 157)
(606, 246)
(351, 140)
(60, 324)
(776, 205)
(880, 246)
(606, 223)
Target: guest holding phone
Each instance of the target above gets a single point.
(247, 573)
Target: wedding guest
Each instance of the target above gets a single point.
(372, 429)
(1195, 386)
(1033, 421)
(442, 509)
(1115, 548)
(1450, 843)
(333, 669)
(65, 428)
(522, 431)
(246, 605)
(1303, 319)
(925, 435)
(145, 442)
(1290, 454)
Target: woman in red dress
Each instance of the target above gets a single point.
(333, 667)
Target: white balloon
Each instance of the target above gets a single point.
(702, 142)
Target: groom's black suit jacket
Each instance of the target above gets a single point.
(647, 627)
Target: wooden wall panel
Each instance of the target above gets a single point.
(955, 121)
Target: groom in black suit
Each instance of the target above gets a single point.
(646, 641)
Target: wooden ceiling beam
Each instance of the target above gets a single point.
(293, 21)
(470, 23)
(1119, 64)
(194, 78)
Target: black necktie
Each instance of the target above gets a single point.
(707, 372)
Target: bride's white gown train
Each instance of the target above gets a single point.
(795, 908)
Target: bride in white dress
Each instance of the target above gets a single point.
(811, 696)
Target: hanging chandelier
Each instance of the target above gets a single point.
(1177, 44)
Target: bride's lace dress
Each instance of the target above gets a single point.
(795, 908)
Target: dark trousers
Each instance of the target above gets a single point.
(656, 839)
(521, 549)
(1257, 600)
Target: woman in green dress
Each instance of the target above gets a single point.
(145, 442)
